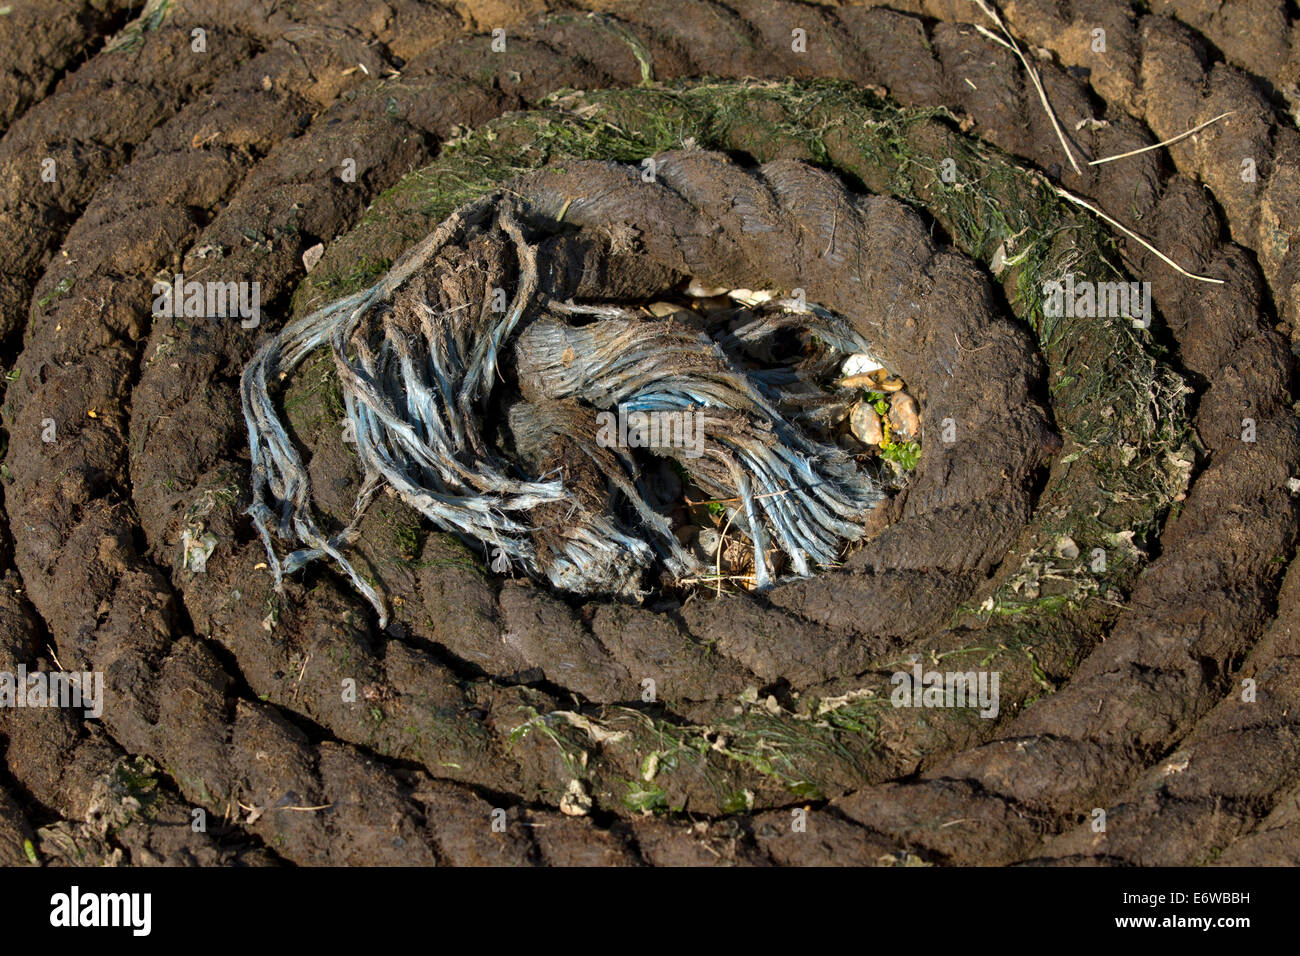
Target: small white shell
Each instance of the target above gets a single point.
(698, 290)
(860, 364)
(750, 297)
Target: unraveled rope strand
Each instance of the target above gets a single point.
(417, 378)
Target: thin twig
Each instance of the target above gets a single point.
(722, 540)
(1065, 193)
(1167, 142)
(993, 36)
(727, 501)
(748, 579)
(1033, 77)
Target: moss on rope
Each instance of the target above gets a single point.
(1118, 406)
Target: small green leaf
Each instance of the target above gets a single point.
(905, 453)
